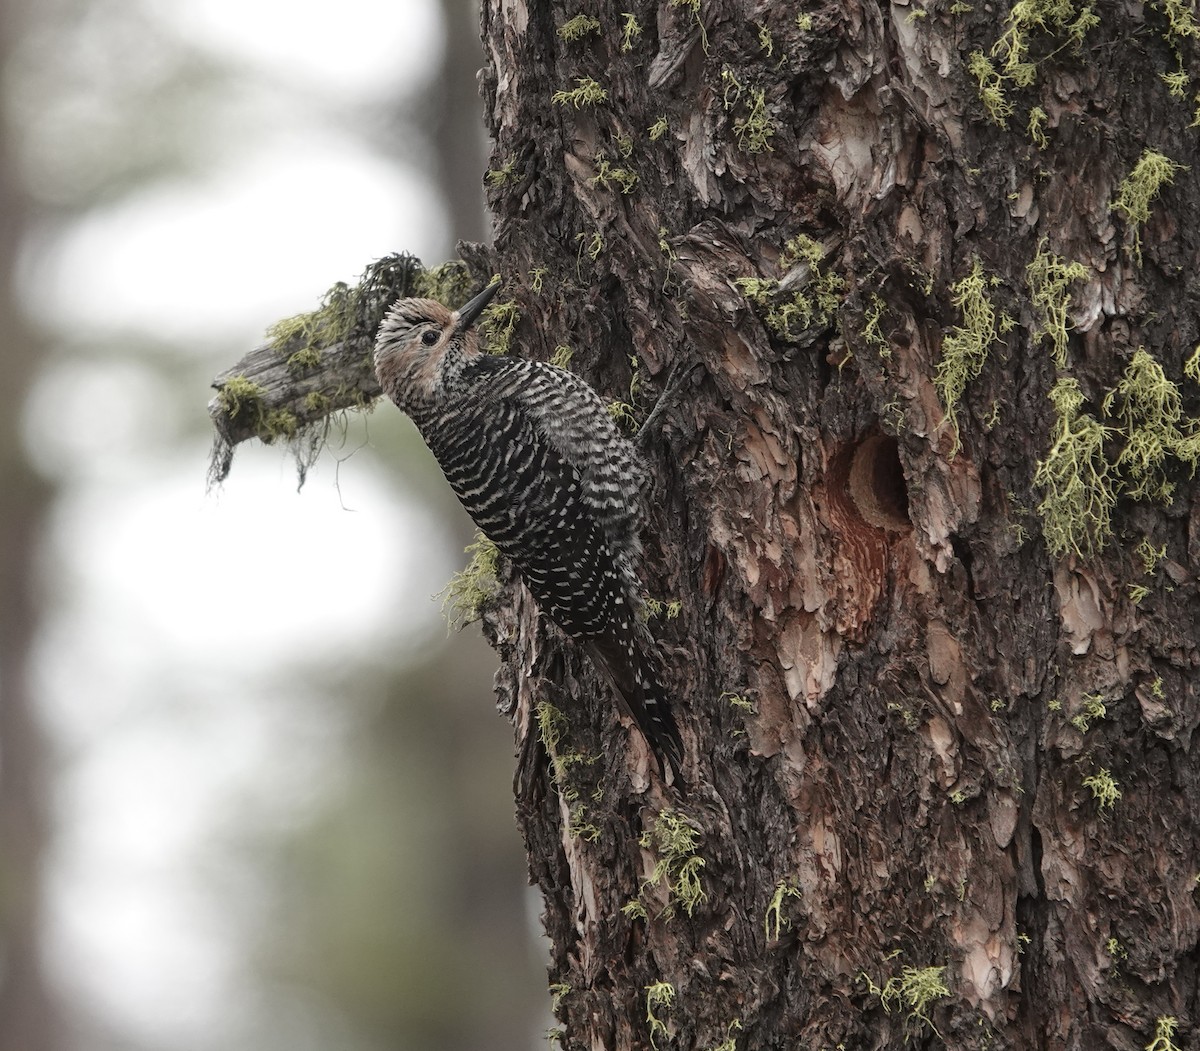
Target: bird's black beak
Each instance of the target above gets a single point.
(468, 313)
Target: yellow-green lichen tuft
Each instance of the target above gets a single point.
(1150, 410)
(789, 315)
(607, 175)
(659, 997)
(674, 841)
(965, 348)
(448, 283)
(755, 130)
(1181, 18)
(1093, 708)
(502, 175)
(1037, 122)
(1164, 1033)
(658, 129)
(304, 360)
(783, 889)
(630, 31)
(469, 591)
(1191, 367)
(579, 27)
(332, 322)
(587, 92)
(1104, 789)
(991, 88)
(1049, 279)
(497, 324)
(914, 991)
(1080, 491)
(730, 1041)
(242, 399)
(1152, 172)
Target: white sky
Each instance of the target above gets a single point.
(177, 608)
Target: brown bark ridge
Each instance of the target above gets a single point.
(907, 712)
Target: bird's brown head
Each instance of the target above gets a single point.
(420, 340)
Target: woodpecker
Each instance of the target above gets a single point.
(534, 457)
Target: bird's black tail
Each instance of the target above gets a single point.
(633, 666)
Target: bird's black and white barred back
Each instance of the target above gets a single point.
(533, 455)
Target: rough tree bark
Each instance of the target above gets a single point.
(926, 511)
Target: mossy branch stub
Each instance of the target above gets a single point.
(316, 364)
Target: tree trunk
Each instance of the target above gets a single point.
(912, 680)
(28, 1013)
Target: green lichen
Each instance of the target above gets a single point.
(472, 589)
(622, 414)
(1149, 556)
(1150, 410)
(658, 129)
(304, 360)
(653, 607)
(674, 841)
(587, 92)
(965, 348)
(1011, 63)
(579, 27)
(242, 400)
(1164, 1032)
(755, 130)
(1177, 82)
(630, 31)
(558, 992)
(607, 175)
(580, 827)
(561, 358)
(449, 283)
(592, 246)
(804, 21)
(497, 324)
(730, 1041)
(1049, 279)
(537, 277)
(1080, 492)
(1037, 122)
(1152, 172)
(913, 991)
(332, 322)
(634, 909)
(789, 315)
(991, 88)
(1181, 18)
(1104, 789)
(872, 332)
(317, 404)
(502, 176)
(765, 41)
(1191, 367)
(1093, 708)
(659, 996)
(784, 889)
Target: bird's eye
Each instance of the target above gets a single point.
(429, 337)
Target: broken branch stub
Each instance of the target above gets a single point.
(317, 364)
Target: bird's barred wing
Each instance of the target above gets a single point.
(576, 421)
(528, 499)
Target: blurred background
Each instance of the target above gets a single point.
(253, 794)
